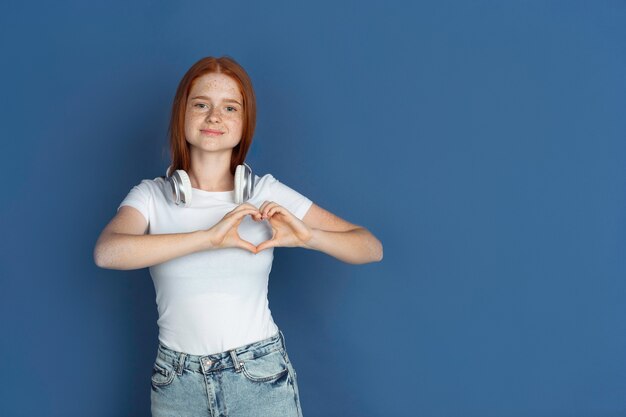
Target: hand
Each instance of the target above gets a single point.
(287, 229)
(224, 233)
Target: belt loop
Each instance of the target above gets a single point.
(238, 365)
(181, 364)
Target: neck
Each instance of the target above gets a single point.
(211, 172)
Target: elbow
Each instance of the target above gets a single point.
(375, 254)
(98, 258)
(379, 256)
(375, 250)
(375, 247)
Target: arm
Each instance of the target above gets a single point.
(124, 243)
(355, 246)
(323, 231)
(341, 239)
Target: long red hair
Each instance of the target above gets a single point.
(179, 147)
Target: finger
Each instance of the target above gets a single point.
(250, 205)
(244, 212)
(267, 244)
(237, 217)
(244, 244)
(262, 206)
(275, 209)
(266, 208)
(243, 206)
(256, 215)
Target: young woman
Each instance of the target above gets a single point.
(219, 350)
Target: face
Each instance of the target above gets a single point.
(214, 114)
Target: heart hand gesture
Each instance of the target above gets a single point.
(287, 229)
(224, 233)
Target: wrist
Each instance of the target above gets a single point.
(312, 241)
(204, 237)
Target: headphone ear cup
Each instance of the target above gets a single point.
(180, 186)
(185, 187)
(249, 189)
(244, 183)
(239, 184)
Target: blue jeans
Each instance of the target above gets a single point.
(252, 380)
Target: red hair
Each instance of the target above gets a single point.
(178, 143)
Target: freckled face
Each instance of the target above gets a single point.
(214, 113)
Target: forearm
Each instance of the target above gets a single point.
(357, 246)
(125, 251)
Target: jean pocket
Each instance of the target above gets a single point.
(269, 367)
(162, 373)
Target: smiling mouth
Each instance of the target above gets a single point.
(210, 132)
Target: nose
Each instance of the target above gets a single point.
(213, 114)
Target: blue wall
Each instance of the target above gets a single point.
(482, 142)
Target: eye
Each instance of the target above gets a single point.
(199, 104)
(231, 109)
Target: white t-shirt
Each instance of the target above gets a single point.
(213, 300)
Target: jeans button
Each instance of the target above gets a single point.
(207, 362)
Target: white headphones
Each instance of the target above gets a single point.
(180, 185)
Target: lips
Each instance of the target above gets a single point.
(211, 132)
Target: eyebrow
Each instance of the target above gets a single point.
(227, 100)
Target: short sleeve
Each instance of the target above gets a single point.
(289, 198)
(139, 197)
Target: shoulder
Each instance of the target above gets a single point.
(269, 184)
(264, 179)
(268, 180)
(147, 189)
(263, 183)
(152, 185)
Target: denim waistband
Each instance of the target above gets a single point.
(218, 361)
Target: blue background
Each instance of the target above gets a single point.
(482, 142)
